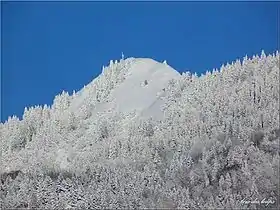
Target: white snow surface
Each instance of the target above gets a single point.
(139, 91)
(133, 94)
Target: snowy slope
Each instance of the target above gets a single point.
(87, 94)
(132, 95)
(138, 92)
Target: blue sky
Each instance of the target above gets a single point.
(48, 47)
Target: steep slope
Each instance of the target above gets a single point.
(137, 92)
(144, 81)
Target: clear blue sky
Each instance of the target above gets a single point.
(48, 47)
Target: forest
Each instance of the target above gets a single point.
(216, 145)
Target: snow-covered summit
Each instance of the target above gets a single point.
(127, 89)
(134, 87)
(144, 80)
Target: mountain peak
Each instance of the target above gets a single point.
(127, 86)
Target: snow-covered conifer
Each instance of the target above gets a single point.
(213, 143)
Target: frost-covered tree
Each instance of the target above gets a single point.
(216, 146)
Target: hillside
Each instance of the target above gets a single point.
(141, 135)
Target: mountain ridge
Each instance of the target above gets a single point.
(197, 142)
